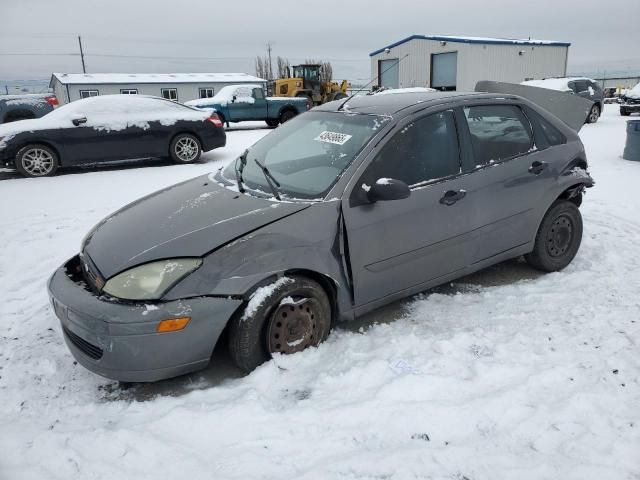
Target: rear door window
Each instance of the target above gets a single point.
(498, 132)
(422, 151)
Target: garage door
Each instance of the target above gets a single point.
(444, 69)
(388, 73)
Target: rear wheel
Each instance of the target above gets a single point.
(286, 116)
(558, 238)
(287, 316)
(594, 114)
(272, 122)
(36, 161)
(185, 148)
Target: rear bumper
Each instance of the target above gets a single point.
(119, 341)
(216, 139)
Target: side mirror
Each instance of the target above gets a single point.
(386, 189)
(78, 119)
(233, 99)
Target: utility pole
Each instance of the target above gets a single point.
(84, 70)
(270, 69)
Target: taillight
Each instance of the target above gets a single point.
(215, 120)
(52, 100)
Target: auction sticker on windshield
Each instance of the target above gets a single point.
(333, 137)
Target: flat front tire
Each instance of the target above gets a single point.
(286, 316)
(185, 148)
(36, 161)
(558, 238)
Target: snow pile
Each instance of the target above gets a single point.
(505, 374)
(634, 92)
(109, 113)
(261, 294)
(560, 84)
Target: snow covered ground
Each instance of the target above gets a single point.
(505, 374)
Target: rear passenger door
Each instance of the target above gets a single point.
(510, 177)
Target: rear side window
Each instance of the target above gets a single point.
(424, 150)
(498, 132)
(551, 133)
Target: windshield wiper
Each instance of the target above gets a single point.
(243, 162)
(273, 183)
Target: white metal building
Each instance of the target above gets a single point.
(180, 87)
(457, 63)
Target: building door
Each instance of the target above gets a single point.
(388, 73)
(444, 71)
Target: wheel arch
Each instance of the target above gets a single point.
(287, 108)
(181, 132)
(46, 143)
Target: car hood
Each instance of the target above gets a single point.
(189, 219)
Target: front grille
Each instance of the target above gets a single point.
(89, 349)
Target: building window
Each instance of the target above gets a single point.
(206, 92)
(89, 93)
(170, 94)
(129, 91)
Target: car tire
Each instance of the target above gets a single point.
(185, 148)
(37, 160)
(286, 316)
(558, 238)
(272, 122)
(594, 114)
(286, 116)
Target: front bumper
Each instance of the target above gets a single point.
(630, 107)
(119, 340)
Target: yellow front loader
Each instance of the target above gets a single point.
(306, 82)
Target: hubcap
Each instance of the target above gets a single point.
(295, 325)
(559, 236)
(37, 162)
(186, 149)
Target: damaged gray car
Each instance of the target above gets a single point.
(341, 210)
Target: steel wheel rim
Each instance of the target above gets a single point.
(295, 326)
(37, 162)
(186, 149)
(560, 236)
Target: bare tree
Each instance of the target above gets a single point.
(283, 67)
(260, 68)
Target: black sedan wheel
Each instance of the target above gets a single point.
(36, 161)
(558, 238)
(594, 114)
(285, 317)
(185, 148)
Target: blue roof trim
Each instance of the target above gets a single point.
(490, 41)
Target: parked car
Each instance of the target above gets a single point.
(23, 107)
(582, 86)
(337, 212)
(240, 103)
(106, 129)
(630, 101)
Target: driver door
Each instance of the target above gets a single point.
(396, 246)
(242, 105)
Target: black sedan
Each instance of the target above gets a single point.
(109, 129)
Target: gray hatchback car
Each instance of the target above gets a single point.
(341, 210)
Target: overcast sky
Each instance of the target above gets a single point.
(38, 37)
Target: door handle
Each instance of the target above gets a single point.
(537, 167)
(452, 196)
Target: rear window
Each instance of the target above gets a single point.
(498, 132)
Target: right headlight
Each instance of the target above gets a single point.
(151, 280)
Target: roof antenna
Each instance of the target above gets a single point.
(395, 64)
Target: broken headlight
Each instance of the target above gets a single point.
(151, 280)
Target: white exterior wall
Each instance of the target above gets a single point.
(186, 91)
(476, 62)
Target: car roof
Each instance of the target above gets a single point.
(394, 103)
